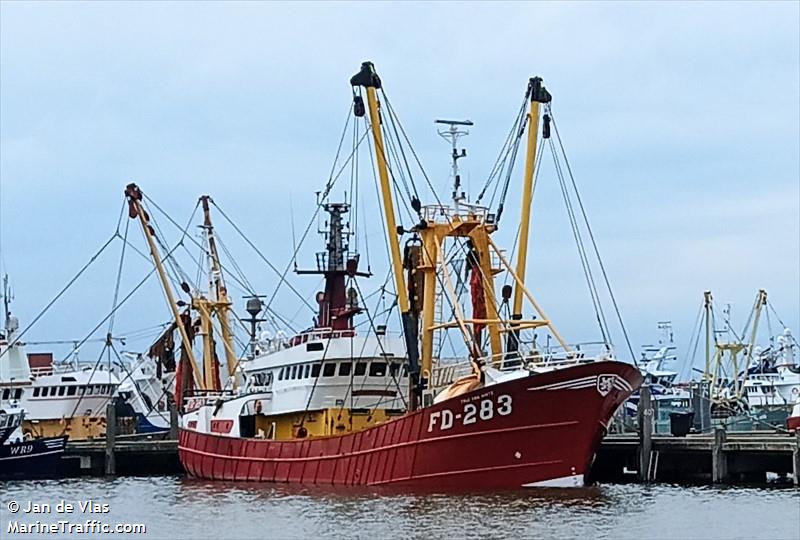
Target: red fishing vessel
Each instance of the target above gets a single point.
(337, 405)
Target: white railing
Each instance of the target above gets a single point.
(435, 213)
(553, 356)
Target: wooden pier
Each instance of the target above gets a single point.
(717, 457)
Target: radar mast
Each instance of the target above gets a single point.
(451, 135)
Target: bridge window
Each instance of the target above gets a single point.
(394, 369)
(330, 370)
(377, 369)
(315, 346)
(18, 393)
(36, 392)
(315, 370)
(70, 390)
(294, 372)
(307, 371)
(361, 369)
(344, 369)
(61, 390)
(6, 393)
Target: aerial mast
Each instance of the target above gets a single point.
(707, 307)
(452, 134)
(6, 302)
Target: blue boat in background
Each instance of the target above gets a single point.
(24, 459)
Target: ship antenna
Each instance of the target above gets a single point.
(6, 302)
(452, 134)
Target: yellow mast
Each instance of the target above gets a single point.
(134, 196)
(761, 301)
(206, 330)
(538, 95)
(369, 79)
(222, 303)
(429, 268)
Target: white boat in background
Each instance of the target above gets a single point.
(774, 377)
(146, 392)
(58, 399)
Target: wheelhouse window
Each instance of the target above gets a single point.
(307, 371)
(344, 369)
(6, 393)
(36, 392)
(394, 369)
(377, 369)
(18, 394)
(315, 370)
(294, 372)
(361, 369)
(71, 390)
(61, 390)
(329, 370)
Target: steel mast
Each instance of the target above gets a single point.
(220, 303)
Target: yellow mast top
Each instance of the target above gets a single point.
(538, 95)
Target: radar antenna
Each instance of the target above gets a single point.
(452, 135)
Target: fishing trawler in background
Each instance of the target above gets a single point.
(668, 396)
(337, 404)
(27, 458)
(147, 389)
(750, 387)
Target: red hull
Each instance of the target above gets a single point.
(793, 423)
(537, 429)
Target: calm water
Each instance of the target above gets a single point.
(175, 507)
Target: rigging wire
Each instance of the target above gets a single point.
(263, 258)
(587, 270)
(47, 307)
(591, 236)
(324, 195)
(119, 277)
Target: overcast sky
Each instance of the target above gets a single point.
(680, 120)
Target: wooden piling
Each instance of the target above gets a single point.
(796, 458)
(645, 414)
(173, 420)
(111, 436)
(719, 460)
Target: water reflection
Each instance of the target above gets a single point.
(182, 507)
